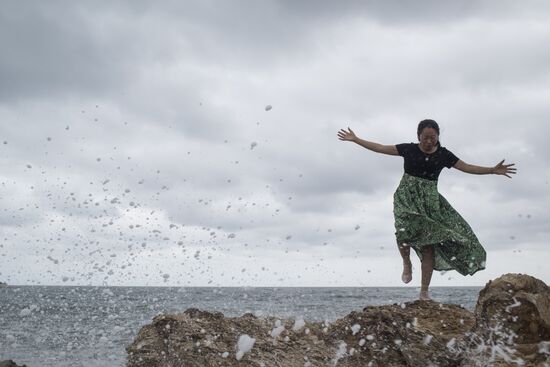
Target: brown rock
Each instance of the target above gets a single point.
(412, 334)
(512, 323)
(509, 327)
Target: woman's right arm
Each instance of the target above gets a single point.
(375, 147)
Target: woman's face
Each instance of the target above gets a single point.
(428, 139)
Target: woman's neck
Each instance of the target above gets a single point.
(428, 152)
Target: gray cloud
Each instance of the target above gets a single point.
(51, 52)
(147, 124)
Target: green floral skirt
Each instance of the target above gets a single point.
(424, 217)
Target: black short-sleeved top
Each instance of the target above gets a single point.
(423, 165)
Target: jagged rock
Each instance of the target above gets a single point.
(512, 323)
(412, 334)
(520, 303)
(418, 333)
(10, 363)
(199, 338)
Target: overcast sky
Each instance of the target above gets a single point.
(137, 146)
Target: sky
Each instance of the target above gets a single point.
(194, 143)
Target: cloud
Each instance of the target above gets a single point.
(143, 122)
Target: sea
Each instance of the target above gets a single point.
(92, 326)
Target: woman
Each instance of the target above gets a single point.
(424, 220)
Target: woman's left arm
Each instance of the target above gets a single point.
(499, 169)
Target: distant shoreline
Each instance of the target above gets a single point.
(237, 287)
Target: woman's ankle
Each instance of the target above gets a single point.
(424, 294)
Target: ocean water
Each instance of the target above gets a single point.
(92, 326)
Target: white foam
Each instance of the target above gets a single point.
(544, 347)
(277, 331)
(298, 324)
(340, 353)
(244, 345)
(427, 339)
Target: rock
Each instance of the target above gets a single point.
(390, 335)
(10, 363)
(519, 303)
(509, 327)
(411, 334)
(512, 323)
(199, 338)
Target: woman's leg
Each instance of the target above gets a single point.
(428, 257)
(405, 252)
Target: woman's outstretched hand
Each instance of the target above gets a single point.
(504, 169)
(347, 135)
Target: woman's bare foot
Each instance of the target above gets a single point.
(406, 277)
(424, 295)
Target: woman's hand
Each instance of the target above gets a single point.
(375, 147)
(504, 169)
(347, 135)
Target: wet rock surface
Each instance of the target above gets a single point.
(512, 324)
(510, 327)
(10, 363)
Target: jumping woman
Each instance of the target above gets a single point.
(424, 220)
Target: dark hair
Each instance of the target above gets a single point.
(428, 124)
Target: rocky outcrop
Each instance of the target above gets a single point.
(10, 363)
(512, 324)
(390, 335)
(510, 327)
